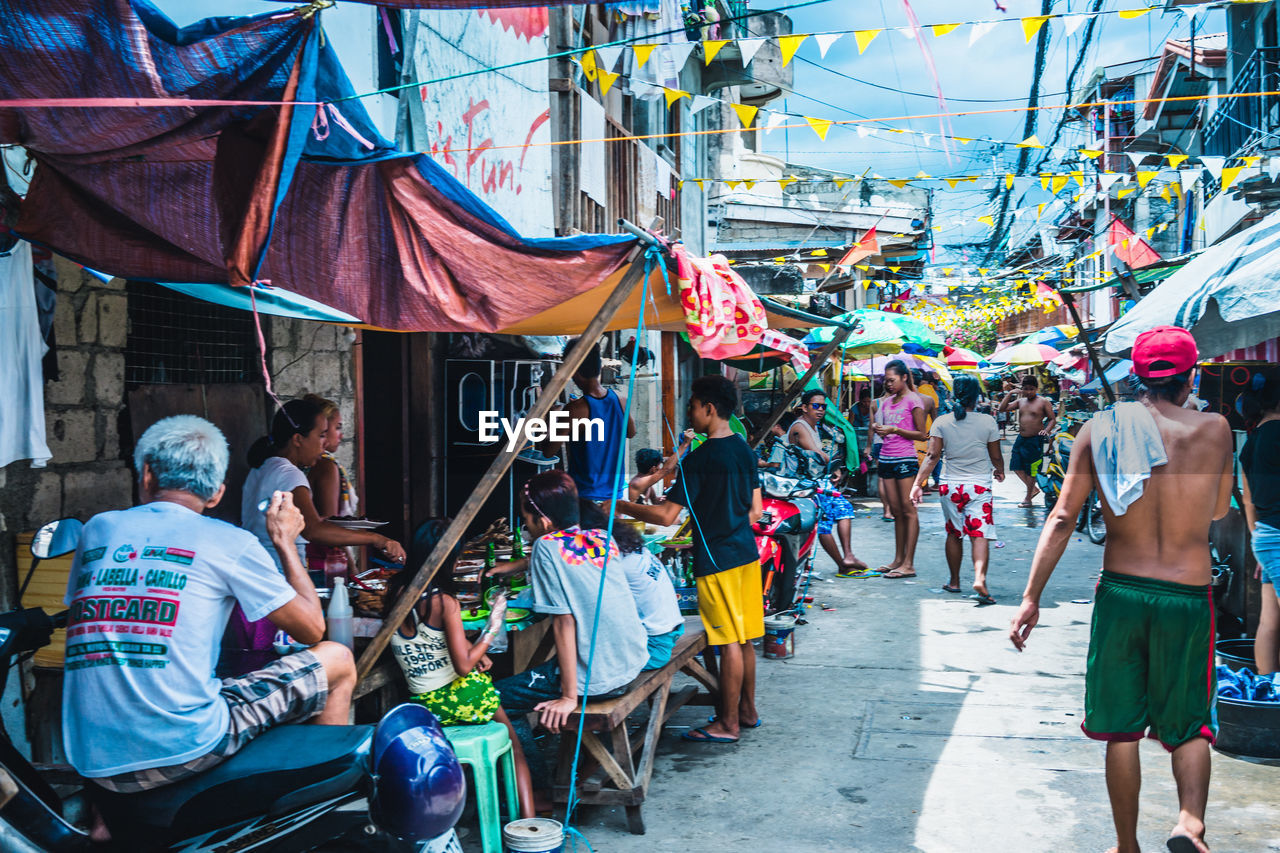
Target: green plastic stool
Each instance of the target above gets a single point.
(482, 747)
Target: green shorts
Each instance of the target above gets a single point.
(1151, 668)
(469, 699)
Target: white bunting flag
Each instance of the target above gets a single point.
(607, 57)
(907, 33)
(1194, 10)
(775, 119)
(825, 40)
(1107, 180)
(1188, 177)
(979, 30)
(749, 47)
(1214, 165)
(1071, 23)
(678, 53)
(700, 103)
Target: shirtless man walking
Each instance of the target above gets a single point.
(1036, 420)
(1151, 666)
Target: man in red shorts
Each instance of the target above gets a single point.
(1164, 473)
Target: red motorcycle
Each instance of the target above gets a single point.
(785, 538)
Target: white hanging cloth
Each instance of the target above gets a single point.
(22, 434)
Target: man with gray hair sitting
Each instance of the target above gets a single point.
(150, 593)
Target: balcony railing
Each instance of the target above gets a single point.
(1237, 122)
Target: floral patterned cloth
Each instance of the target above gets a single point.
(469, 699)
(967, 510)
(723, 316)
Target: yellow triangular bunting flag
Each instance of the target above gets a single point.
(1127, 14)
(1091, 153)
(864, 38)
(749, 184)
(783, 183)
(1079, 177)
(1008, 181)
(789, 46)
(698, 181)
(733, 185)
(1144, 178)
(840, 182)
(1030, 142)
(643, 52)
(673, 95)
(942, 29)
(710, 49)
(746, 113)
(820, 126)
(1230, 174)
(1044, 181)
(1175, 160)
(1032, 25)
(606, 79)
(988, 221)
(951, 182)
(588, 63)
(1057, 183)
(1164, 194)
(1251, 161)
(900, 183)
(819, 253)
(963, 140)
(1125, 193)
(1040, 209)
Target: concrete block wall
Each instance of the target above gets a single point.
(317, 358)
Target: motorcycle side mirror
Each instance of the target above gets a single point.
(56, 538)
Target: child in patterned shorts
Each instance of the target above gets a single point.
(447, 674)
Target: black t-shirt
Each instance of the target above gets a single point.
(716, 483)
(1260, 459)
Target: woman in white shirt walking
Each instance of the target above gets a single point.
(971, 442)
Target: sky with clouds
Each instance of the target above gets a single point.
(993, 73)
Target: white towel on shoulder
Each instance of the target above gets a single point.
(1126, 446)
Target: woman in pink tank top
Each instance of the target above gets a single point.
(902, 417)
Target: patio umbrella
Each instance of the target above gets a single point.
(1228, 296)
(1115, 374)
(1060, 336)
(879, 328)
(959, 358)
(1025, 355)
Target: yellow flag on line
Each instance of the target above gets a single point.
(1056, 183)
(864, 38)
(894, 269)
(1164, 194)
(863, 267)
(1230, 174)
(940, 30)
(1177, 189)
(825, 267)
(1044, 181)
(900, 183)
(789, 46)
(963, 140)
(1040, 209)
(988, 221)
(921, 176)
(1079, 177)
(840, 182)
(1030, 142)
(1251, 161)
(951, 182)
(673, 95)
(1151, 232)
(746, 113)
(1125, 193)
(1127, 14)
(698, 181)
(680, 184)
(588, 63)
(1144, 178)
(733, 185)
(1032, 25)
(1008, 181)
(820, 126)
(1175, 160)
(710, 49)
(783, 183)
(750, 185)
(606, 79)
(1091, 153)
(643, 52)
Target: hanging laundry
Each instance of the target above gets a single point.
(724, 317)
(22, 347)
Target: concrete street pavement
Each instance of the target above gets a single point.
(907, 722)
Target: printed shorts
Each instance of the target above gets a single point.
(904, 468)
(1151, 667)
(834, 508)
(1026, 453)
(731, 604)
(967, 510)
(466, 700)
(291, 689)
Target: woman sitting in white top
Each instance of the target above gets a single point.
(296, 441)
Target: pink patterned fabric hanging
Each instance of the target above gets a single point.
(724, 317)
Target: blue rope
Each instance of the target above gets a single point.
(652, 255)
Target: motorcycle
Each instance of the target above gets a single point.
(787, 532)
(393, 787)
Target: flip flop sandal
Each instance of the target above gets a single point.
(1181, 844)
(759, 721)
(984, 600)
(706, 737)
(890, 520)
(897, 575)
(949, 588)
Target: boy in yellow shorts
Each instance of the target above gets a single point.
(718, 483)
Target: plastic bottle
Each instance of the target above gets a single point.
(335, 565)
(338, 619)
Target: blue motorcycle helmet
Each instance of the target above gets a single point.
(418, 786)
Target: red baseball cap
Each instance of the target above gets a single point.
(1164, 351)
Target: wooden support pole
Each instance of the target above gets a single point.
(546, 399)
(841, 335)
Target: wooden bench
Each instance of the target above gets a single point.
(616, 775)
